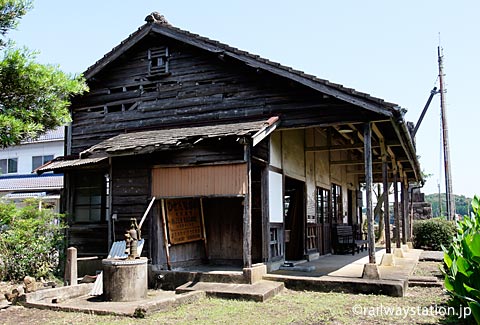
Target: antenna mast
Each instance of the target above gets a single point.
(446, 149)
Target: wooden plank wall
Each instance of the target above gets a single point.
(130, 194)
(201, 88)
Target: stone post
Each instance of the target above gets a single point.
(71, 272)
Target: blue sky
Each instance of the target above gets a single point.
(384, 48)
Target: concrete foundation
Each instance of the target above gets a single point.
(370, 271)
(125, 280)
(255, 273)
(398, 252)
(388, 260)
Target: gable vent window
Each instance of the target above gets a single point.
(158, 61)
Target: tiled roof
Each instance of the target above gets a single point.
(57, 134)
(31, 182)
(150, 141)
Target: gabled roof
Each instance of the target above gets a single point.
(157, 24)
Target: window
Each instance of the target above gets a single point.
(8, 166)
(38, 161)
(158, 61)
(323, 205)
(337, 204)
(89, 197)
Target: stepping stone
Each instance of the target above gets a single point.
(259, 291)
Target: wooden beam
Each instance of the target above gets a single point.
(380, 136)
(386, 206)
(265, 130)
(396, 213)
(361, 137)
(247, 211)
(351, 162)
(354, 146)
(354, 162)
(368, 189)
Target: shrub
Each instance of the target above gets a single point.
(31, 241)
(433, 233)
(462, 263)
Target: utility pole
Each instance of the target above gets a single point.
(439, 201)
(446, 149)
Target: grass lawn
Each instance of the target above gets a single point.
(289, 307)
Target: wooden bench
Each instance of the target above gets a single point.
(346, 240)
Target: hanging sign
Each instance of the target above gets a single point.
(184, 220)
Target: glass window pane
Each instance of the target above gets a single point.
(83, 196)
(3, 166)
(95, 214)
(82, 214)
(12, 165)
(47, 158)
(36, 162)
(89, 197)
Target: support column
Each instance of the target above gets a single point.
(404, 197)
(247, 210)
(370, 269)
(386, 204)
(396, 212)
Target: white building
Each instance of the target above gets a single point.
(17, 182)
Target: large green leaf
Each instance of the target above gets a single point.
(475, 203)
(475, 244)
(463, 266)
(448, 283)
(447, 259)
(474, 293)
(475, 308)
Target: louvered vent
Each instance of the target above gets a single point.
(158, 61)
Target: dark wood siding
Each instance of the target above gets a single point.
(200, 88)
(130, 193)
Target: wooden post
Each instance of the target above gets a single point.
(395, 207)
(404, 199)
(204, 230)
(367, 134)
(165, 238)
(71, 271)
(386, 205)
(247, 210)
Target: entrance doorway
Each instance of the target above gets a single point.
(294, 203)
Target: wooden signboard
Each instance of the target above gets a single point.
(184, 220)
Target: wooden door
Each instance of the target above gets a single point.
(294, 219)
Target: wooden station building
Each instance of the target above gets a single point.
(249, 161)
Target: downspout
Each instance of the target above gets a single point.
(410, 223)
(406, 141)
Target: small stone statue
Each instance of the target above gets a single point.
(132, 236)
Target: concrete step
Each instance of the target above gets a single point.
(424, 281)
(170, 280)
(259, 291)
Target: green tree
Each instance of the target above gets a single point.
(31, 241)
(34, 98)
(462, 204)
